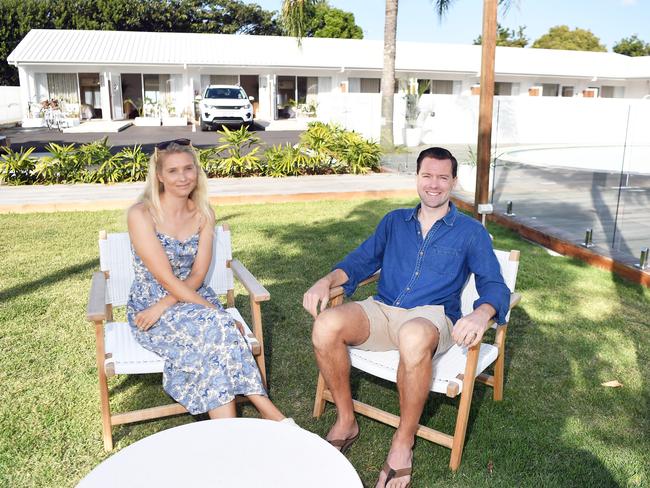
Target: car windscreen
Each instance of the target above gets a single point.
(232, 93)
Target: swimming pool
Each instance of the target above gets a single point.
(633, 159)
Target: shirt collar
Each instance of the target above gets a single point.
(449, 218)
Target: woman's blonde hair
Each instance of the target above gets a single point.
(153, 187)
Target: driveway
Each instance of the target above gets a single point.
(147, 136)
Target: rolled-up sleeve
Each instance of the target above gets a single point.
(489, 282)
(366, 259)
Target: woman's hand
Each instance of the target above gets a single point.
(149, 316)
(240, 327)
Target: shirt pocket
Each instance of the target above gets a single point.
(444, 260)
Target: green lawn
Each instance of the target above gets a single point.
(576, 328)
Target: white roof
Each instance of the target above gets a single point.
(155, 48)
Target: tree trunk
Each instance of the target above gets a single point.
(486, 104)
(388, 75)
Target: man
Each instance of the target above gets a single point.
(425, 255)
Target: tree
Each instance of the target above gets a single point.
(508, 37)
(327, 21)
(632, 46)
(205, 16)
(561, 37)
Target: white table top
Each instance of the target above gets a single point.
(239, 452)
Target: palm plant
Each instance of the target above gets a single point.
(241, 158)
(286, 160)
(134, 163)
(16, 167)
(62, 166)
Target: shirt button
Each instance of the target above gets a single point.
(421, 253)
(408, 289)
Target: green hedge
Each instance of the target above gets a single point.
(323, 149)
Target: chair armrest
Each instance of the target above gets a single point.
(338, 290)
(96, 311)
(257, 292)
(515, 298)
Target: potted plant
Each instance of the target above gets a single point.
(466, 174)
(169, 117)
(413, 130)
(148, 112)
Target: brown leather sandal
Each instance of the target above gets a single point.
(396, 473)
(344, 444)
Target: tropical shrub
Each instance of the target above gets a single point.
(17, 167)
(287, 160)
(323, 149)
(238, 162)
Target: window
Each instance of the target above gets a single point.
(607, 91)
(156, 88)
(369, 85)
(503, 88)
(224, 79)
(550, 89)
(567, 91)
(228, 93)
(63, 87)
(442, 87)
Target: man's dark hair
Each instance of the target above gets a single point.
(439, 153)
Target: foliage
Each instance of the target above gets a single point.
(508, 37)
(241, 157)
(561, 37)
(16, 167)
(323, 148)
(632, 46)
(327, 21)
(61, 166)
(286, 160)
(134, 162)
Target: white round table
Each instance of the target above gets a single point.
(240, 452)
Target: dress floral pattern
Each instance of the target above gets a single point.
(207, 361)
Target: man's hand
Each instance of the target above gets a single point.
(240, 327)
(149, 316)
(469, 330)
(318, 293)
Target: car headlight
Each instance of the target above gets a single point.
(247, 106)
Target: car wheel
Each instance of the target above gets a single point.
(204, 126)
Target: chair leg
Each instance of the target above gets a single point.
(499, 365)
(107, 433)
(464, 408)
(319, 401)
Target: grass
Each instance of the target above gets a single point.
(576, 328)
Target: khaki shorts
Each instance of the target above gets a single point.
(386, 320)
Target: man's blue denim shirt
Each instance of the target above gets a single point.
(430, 271)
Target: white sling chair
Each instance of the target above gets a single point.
(119, 353)
(454, 372)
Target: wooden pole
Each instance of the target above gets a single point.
(488, 51)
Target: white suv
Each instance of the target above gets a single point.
(225, 104)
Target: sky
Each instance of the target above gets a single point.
(610, 20)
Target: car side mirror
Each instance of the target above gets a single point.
(252, 99)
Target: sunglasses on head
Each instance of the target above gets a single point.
(161, 146)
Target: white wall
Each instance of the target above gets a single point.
(10, 105)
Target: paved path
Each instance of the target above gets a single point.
(51, 198)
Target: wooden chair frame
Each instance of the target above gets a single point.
(456, 441)
(100, 313)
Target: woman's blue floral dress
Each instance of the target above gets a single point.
(207, 361)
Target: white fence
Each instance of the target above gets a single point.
(453, 119)
(10, 112)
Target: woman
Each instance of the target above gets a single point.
(171, 312)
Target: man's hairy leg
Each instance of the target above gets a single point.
(418, 340)
(334, 330)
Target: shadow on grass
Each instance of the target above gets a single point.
(529, 436)
(53, 278)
